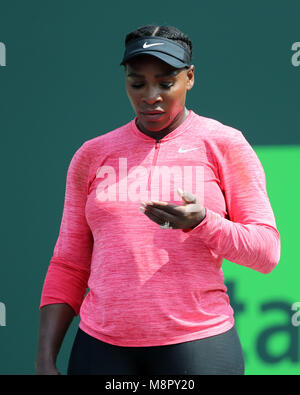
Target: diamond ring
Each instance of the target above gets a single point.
(166, 225)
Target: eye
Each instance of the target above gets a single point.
(137, 86)
(165, 86)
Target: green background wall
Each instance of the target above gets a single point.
(62, 85)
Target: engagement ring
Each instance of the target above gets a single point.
(166, 225)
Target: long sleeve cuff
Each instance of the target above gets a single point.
(64, 283)
(255, 245)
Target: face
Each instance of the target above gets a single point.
(153, 85)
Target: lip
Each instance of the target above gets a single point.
(153, 112)
(152, 115)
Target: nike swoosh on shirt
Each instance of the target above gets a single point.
(181, 150)
(151, 45)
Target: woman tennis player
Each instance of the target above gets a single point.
(151, 210)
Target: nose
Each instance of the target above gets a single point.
(152, 95)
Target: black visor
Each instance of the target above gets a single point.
(167, 50)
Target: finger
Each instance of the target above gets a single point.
(188, 197)
(160, 202)
(154, 218)
(163, 206)
(193, 208)
(160, 216)
(180, 192)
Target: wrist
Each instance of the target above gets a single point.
(200, 217)
(45, 359)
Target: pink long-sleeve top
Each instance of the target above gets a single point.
(146, 285)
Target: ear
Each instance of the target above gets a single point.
(190, 77)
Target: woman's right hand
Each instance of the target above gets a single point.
(48, 369)
(54, 322)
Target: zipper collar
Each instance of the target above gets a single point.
(180, 129)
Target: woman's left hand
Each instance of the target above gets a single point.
(189, 215)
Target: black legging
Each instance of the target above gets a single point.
(215, 355)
